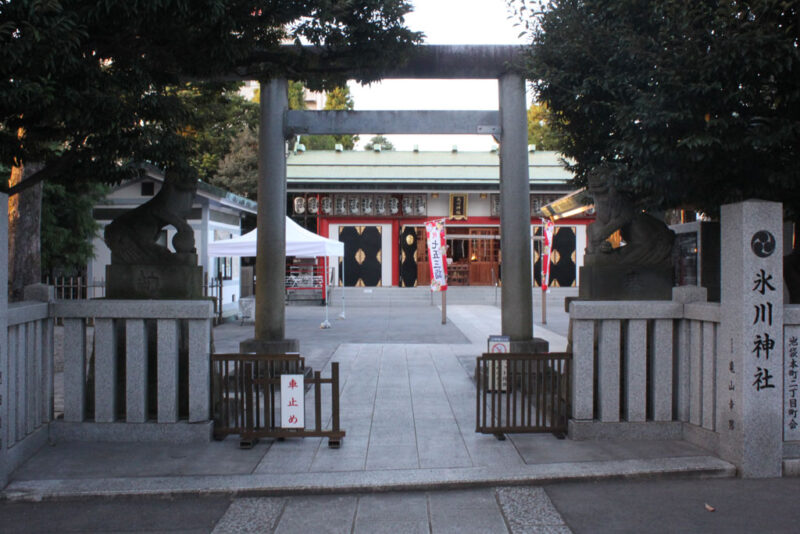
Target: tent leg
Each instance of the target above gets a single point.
(325, 323)
(342, 315)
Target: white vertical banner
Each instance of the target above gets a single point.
(436, 254)
(293, 401)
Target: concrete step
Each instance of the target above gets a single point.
(367, 481)
(400, 295)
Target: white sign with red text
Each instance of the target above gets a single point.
(292, 401)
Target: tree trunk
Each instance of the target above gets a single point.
(24, 231)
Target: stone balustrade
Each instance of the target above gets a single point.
(626, 350)
(27, 374)
(649, 370)
(136, 321)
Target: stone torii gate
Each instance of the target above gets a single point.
(508, 125)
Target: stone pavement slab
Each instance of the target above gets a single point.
(318, 513)
(401, 512)
(529, 509)
(251, 515)
(458, 512)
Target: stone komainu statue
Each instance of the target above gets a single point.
(641, 267)
(133, 236)
(143, 268)
(647, 240)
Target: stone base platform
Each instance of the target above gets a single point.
(121, 432)
(267, 346)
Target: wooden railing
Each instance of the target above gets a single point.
(522, 393)
(247, 397)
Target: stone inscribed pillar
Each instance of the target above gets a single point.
(749, 417)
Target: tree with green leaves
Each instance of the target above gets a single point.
(297, 95)
(338, 98)
(540, 134)
(68, 227)
(88, 88)
(379, 140)
(238, 170)
(693, 104)
(217, 114)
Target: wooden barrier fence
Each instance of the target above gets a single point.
(522, 393)
(247, 397)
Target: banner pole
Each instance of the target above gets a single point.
(326, 323)
(547, 244)
(342, 315)
(444, 307)
(544, 307)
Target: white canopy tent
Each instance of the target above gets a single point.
(299, 242)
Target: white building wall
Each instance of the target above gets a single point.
(232, 287)
(477, 206)
(438, 207)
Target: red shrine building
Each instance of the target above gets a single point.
(377, 202)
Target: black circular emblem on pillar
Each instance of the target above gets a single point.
(763, 243)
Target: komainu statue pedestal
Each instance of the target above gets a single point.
(626, 282)
(178, 282)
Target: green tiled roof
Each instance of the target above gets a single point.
(415, 169)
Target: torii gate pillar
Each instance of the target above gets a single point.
(270, 318)
(515, 218)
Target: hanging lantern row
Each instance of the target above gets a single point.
(363, 205)
(388, 205)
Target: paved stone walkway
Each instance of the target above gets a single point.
(409, 413)
(408, 410)
(485, 510)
